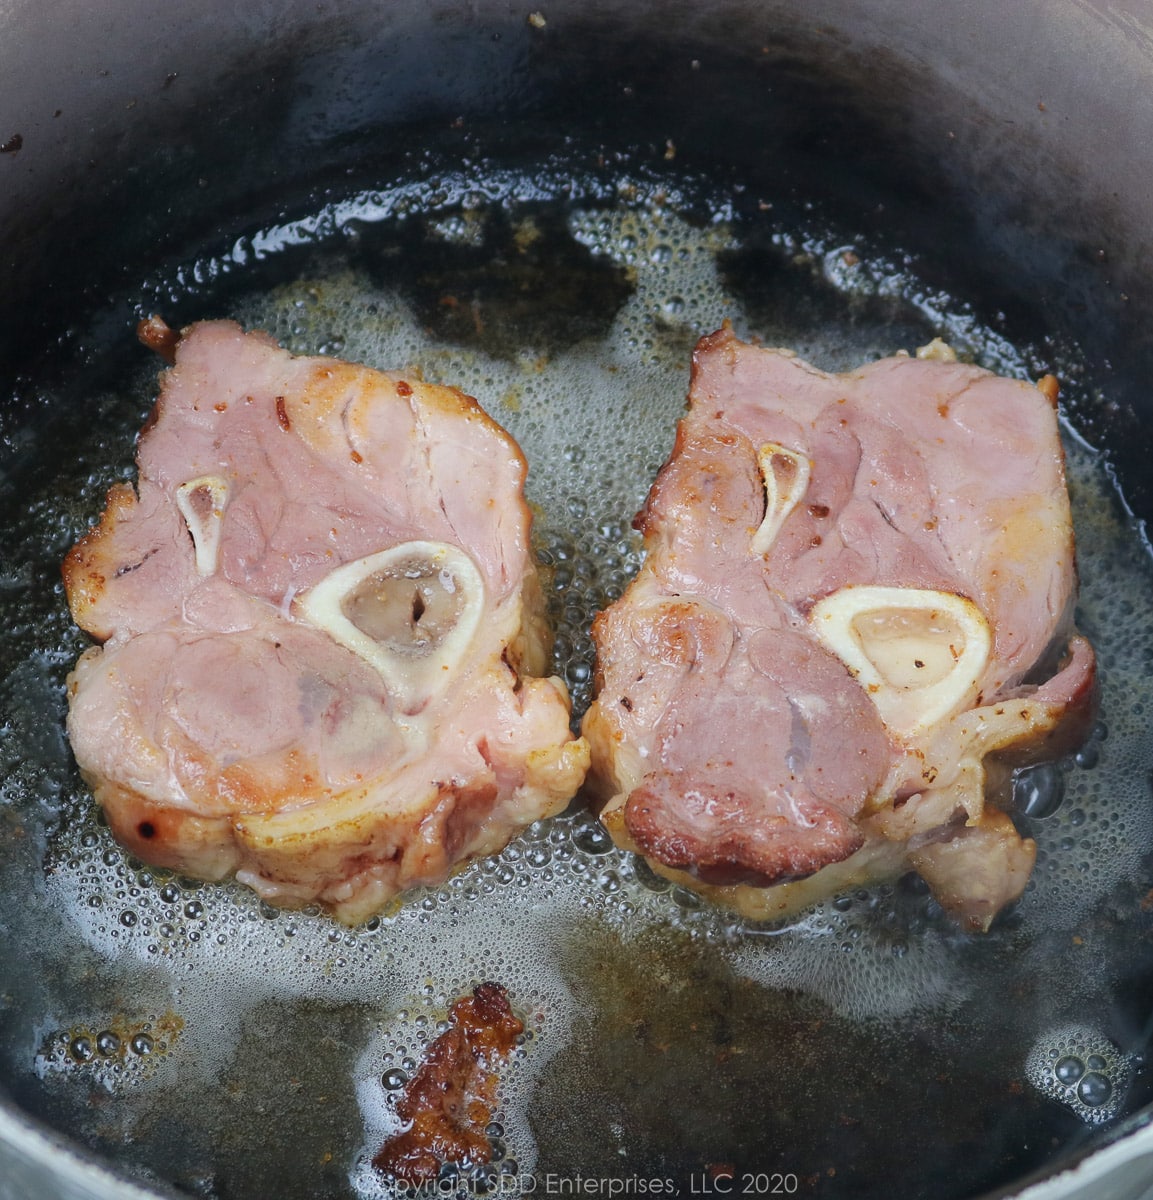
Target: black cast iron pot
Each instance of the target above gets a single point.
(547, 206)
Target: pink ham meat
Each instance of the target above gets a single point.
(322, 642)
(857, 589)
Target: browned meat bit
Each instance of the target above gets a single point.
(155, 333)
(1050, 388)
(448, 1103)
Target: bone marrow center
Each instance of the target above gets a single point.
(918, 653)
(411, 612)
(910, 647)
(411, 608)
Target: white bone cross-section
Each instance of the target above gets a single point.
(410, 612)
(201, 502)
(786, 474)
(918, 653)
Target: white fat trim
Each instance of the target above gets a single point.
(206, 529)
(907, 709)
(779, 500)
(412, 680)
(937, 351)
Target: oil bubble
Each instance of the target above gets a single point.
(1079, 1067)
(593, 838)
(81, 1049)
(1038, 791)
(1094, 1090)
(1069, 1070)
(107, 1044)
(1088, 756)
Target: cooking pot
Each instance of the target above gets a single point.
(546, 204)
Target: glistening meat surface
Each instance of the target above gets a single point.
(323, 646)
(856, 588)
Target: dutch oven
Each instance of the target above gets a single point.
(546, 203)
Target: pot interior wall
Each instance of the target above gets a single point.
(220, 192)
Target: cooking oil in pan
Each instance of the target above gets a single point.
(636, 995)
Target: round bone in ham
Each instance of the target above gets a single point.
(857, 587)
(323, 646)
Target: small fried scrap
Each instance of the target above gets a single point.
(448, 1103)
(155, 333)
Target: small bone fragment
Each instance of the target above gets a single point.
(201, 502)
(786, 474)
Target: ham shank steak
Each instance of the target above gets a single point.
(857, 588)
(322, 649)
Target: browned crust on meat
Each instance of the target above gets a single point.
(93, 560)
(422, 845)
(164, 836)
(1050, 387)
(1065, 731)
(733, 844)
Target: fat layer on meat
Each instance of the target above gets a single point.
(857, 588)
(323, 643)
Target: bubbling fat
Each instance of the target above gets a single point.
(595, 421)
(1079, 1067)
